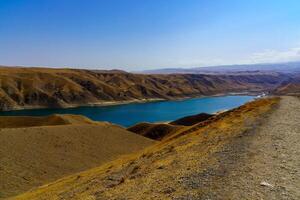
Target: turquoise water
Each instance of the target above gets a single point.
(130, 114)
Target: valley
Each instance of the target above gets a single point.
(149, 100)
(195, 155)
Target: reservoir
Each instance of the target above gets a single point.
(130, 114)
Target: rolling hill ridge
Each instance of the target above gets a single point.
(22, 88)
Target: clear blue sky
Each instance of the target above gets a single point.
(147, 34)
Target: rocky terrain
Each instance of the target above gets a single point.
(41, 87)
(251, 152)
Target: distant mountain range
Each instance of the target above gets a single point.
(289, 67)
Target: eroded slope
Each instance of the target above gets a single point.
(41, 87)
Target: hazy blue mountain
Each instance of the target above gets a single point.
(289, 67)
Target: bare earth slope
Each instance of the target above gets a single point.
(43, 87)
(251, 152)
(33, 156)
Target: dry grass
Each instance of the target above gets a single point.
(174, 167)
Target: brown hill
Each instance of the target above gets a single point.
(56, 146)
(159, 131)
(192, 120)
(43, 87)
(289, 87)
(154, 131)
(52, 120)
(192, 166)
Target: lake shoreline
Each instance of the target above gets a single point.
(115, 103)
(132, 113)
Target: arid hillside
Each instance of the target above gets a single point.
(41, 87)
(243, 153)
(37, 150)
(160, 131)
(290, 86)
(155, 131)
(192, 120)
(52, 120)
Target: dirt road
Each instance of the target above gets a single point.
(269, 166)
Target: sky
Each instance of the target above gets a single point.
(148, 34)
